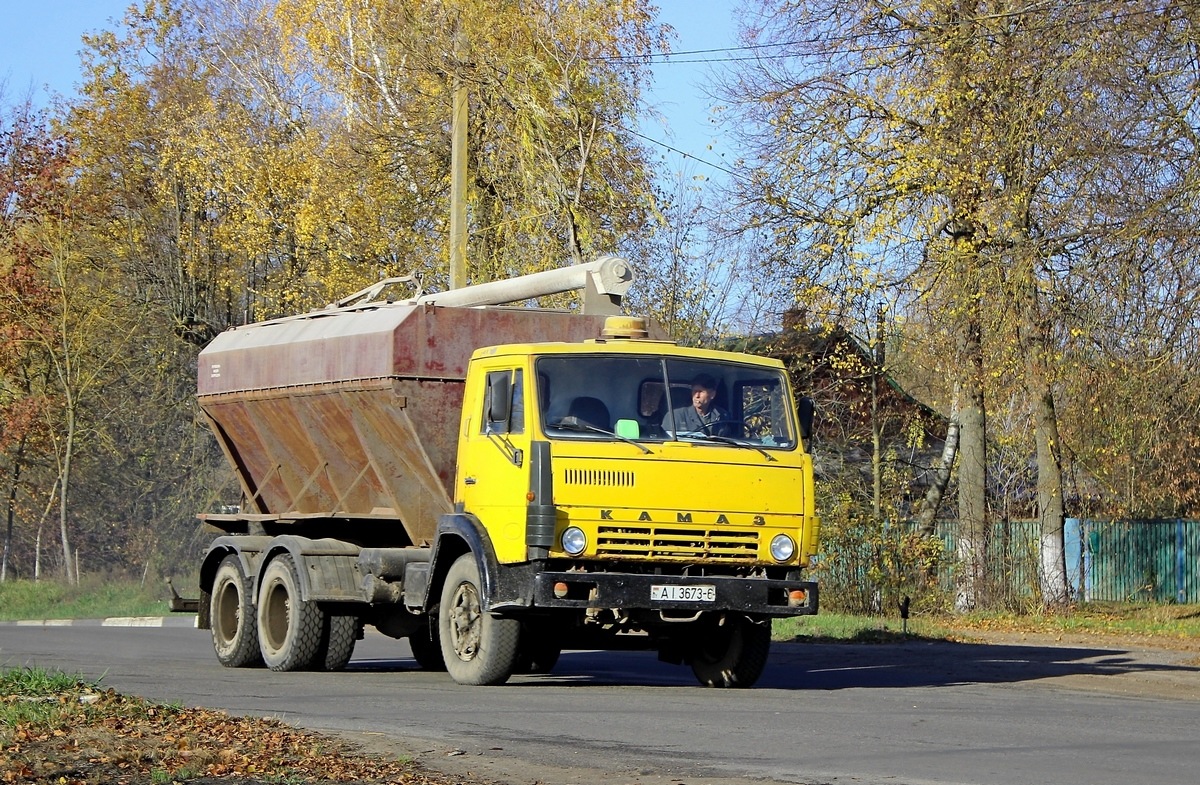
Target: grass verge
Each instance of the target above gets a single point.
(94, 598)
(1161, 624)
(850, 628)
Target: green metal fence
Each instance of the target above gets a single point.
(1011, 559)
(1107, 560)
(1151, 561)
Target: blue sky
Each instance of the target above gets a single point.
(40, 42)
(679, 93)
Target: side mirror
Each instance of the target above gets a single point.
(806, 410)
(499, 393)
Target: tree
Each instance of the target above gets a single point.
(242, 159)
(554, 175)
(280, 154)
(690, 279)
(32, 182)
(957, 154)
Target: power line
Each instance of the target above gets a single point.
(676, 150)
(753, 51)
(676, 58)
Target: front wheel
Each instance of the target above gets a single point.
(477, 647)
(732, 653)
(231, 614)
(290, 629)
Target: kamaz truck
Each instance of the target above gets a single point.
(500, 483)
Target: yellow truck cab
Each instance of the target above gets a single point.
(496, 504)
(571, 459)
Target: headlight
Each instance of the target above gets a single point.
(573, 540)
(783, 547)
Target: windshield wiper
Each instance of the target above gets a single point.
(712, 437)
(582, 426)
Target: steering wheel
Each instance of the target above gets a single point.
(707, 427)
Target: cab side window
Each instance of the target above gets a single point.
(516, 418)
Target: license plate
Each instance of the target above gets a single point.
(671, 593)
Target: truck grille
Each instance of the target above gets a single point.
(661, 542)
(598, 477)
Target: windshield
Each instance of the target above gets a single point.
(657, 399)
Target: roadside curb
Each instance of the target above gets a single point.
(185, 620)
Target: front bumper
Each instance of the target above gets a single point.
(628, 591)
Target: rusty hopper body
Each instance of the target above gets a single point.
(353, 413)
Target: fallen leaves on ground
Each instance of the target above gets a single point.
(103, 737)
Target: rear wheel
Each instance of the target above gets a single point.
(289, 628)
(338, 637)
(231, 613)
(426, 645)
(477, 647)
(731, 653)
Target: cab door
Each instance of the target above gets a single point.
(493, 475)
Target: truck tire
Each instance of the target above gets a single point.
(732, 654)
(477, 647)
(426, 645)
(231, 614)
(338, 636)
(289, 628)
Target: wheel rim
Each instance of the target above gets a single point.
(278, 616)
(466, 618)
(228, 614)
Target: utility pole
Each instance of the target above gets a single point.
(878, 360)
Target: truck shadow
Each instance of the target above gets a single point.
(826, 666)
(943, 663)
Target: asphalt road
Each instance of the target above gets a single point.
(912, 713)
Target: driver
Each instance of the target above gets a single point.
(703, 416)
